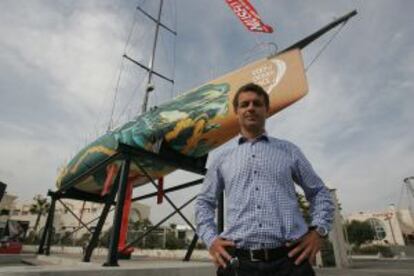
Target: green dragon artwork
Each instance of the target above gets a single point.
(179, 123)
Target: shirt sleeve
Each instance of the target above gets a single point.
(321, 205)
(206, 203)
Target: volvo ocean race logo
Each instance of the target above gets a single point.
(270, 74)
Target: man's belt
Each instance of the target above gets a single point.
(262, 255)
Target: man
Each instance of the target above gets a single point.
(265, 229)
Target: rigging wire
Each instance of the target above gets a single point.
(262, 40)
(174, 14)
(121, 70)
(143, 37)
(126, 110)
(248, 55)
(168, 51)
(325, 46)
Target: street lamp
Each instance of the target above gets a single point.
(410, 184)
(409, 179)
(388, 217)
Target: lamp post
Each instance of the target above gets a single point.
(410, 184)
(409, 181)
(388, 217)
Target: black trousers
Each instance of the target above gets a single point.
(282, 267)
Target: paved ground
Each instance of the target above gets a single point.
(381, 267)
(70, 265)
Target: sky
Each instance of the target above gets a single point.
(60, 64)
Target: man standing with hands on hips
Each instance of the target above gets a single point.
(266, 233)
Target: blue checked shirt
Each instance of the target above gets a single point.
(261, 205)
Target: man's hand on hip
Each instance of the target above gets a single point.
(306, 248)
(218, 252)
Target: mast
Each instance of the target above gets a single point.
(150, 68)
(150, 86)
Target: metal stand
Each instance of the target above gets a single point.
(102, 218)
(48, 229)
(160, 222)
(75, 216)
(112, 259)
(124, 154)
(191, 248)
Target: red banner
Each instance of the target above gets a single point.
(248, 16)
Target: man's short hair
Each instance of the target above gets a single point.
(251, 87)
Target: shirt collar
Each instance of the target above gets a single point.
(261, 137)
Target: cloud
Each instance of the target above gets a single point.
(59, 65)
(355, 123)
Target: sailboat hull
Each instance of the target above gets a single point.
(192, 124)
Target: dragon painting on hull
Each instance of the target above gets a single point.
(192, 124)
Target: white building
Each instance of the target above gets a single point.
(64, 221)
(184, 232)
(6, 205)
(392, 227)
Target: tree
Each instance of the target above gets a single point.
(84, 239)
(104, 240)
(304, 207)
(359, 232)
(139, 227)
(39, 208)
(172, 241)
(66, 238)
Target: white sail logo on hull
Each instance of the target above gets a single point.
(267, 77)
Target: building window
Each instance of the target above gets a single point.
(181, 235)
(378, 227)
(4, 212)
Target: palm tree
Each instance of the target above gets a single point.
(39, 208)
(304, 207)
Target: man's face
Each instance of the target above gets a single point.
(251, 111)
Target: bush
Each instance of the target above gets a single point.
(31, 238)
(374, 250)
(327, 254)
(173, 242)
(84, 239)
(153, 240)
(359, 232)
(66, 238)
(200, 245)
(105, 236)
